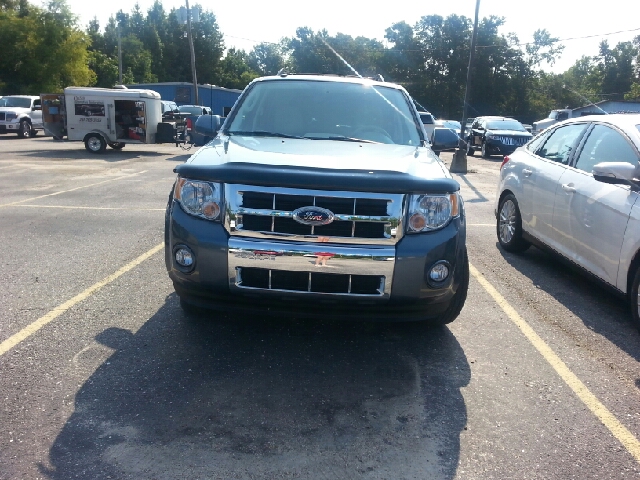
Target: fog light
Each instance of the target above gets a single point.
(439, 272)
(184, 257)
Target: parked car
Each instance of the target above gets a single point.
(323, 170)
(21, 114)
(574, 189)
(496, 135)
(170, 110)
(428, 121)
(451, 124)
(191, 114)
(171, 113)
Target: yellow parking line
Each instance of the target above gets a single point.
(73, 189)
(73, 207)
(618, 430)
(29, 330)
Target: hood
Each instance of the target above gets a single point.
(326, 164)
(14, 109)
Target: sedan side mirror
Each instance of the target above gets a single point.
(617, 173)
(208, 125)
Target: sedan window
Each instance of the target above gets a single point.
(605, 145)
(562, 142)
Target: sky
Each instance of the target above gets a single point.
(248, 22)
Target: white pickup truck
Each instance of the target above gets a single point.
(555, 116)
(21, 114)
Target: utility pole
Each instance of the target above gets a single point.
(459, 163)
(119, 57)
(193, 54)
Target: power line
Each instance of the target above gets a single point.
(568, 39)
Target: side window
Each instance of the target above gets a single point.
(561, 143)
(562, 116)
(534, 144)
(605, 145)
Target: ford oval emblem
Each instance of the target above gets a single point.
(313, 216)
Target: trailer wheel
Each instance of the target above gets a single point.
(95, 143)
(117, 145)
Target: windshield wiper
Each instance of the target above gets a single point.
(342, 138)
(262, 133)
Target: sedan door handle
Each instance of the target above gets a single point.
(568, 188)
(526, 172)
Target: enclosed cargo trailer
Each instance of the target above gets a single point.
(114, 117)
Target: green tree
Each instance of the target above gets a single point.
(43, 49)
(235, 70)
(267, 58)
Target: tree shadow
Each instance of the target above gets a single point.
(600, 310)
(264, 398)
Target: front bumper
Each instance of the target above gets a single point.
(403, 293)
(9, 127)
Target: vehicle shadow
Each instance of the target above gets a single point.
(600, 310)
(234, 397)
(43, 147)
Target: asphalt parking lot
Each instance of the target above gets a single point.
(103, 376)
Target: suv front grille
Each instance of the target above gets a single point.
(270, 211)
(310, 282)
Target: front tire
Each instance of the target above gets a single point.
(485, 150)
(509, 225)
(634, 299)
(25, 129)
(470, 150)
(455, 307)
(94, 143)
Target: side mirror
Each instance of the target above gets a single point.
(444, 139)
(208, 125)
(617, 173)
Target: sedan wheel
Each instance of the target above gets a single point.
(485, 151)
(470, 150)
(509, 227)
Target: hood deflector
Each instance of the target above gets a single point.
(316, 178)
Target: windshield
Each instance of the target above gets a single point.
(506, 125)
(169, 107)
(191, 110)
(426, 118)
(322, 110)
(18, 102)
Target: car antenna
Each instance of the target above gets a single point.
(338, 55)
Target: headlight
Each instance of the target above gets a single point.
(11, 116)
(431, 212)
(198, 198)
(488, 136)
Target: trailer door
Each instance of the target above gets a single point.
(54, 114)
